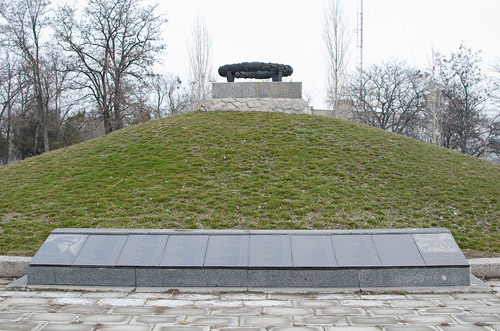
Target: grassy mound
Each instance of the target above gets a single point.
(250, 170)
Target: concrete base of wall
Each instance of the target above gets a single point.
(275, 105)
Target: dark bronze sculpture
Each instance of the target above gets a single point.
(257, 70)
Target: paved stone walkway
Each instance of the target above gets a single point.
(270, 310)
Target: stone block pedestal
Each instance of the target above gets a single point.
(288, 90)
(277, 97)
(273, 105)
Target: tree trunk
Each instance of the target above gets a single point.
(117, 103)
(35, 145)
(43, 121)
(337, 113)
(108, 125)
(45, 136)
(117, 115)
(463, 144)
(7, 145)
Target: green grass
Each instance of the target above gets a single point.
(252, 171)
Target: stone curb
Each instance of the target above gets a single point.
(13, 266)
(16, 266)
(485, 267)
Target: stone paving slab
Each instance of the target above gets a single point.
(105, 309)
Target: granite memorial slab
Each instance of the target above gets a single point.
(439, 248)
(100, 250)
(59, 249)
(248, 258)
(270, 251)
(140, 250)
(355, 251)
(227, 251)
(397, 250)
(312, 251)
(185, 251)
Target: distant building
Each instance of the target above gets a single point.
(346, 110)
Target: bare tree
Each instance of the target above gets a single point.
(22, 30)
(434, 114)
(168, 96)
(200, 60)
(463, 86)
(62, 100)
(494, 141)
(114, 41)
(9, 90)
(335, 36)
(25, 126)
(393, 96)
(491, 138)
(496, 84)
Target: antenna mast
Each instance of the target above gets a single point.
(360, 46)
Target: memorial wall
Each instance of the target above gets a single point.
(247, 258)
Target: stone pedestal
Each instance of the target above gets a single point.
(278, 97)
(273, 105)
(287, 90)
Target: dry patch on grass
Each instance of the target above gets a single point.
(7, 217)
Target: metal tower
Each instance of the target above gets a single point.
(359, 45)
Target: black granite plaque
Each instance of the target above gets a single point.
(397, 250)
(142, 250)
(355, 250)
(59, 249)
(227, 251)
(310, 251)
(185, 251)
(100, 250)
(439, 249)
(270, 251)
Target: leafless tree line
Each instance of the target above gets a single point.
(69, 75)
(451, 104)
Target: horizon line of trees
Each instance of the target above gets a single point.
(68, 75)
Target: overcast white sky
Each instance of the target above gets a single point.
(290, 32)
